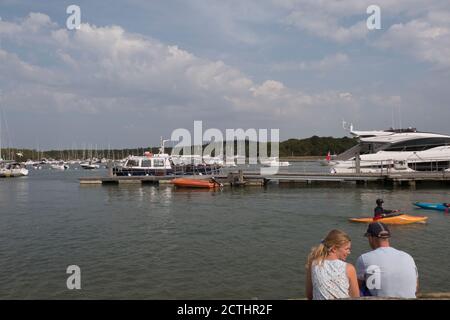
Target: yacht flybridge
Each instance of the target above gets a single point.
(394, 150)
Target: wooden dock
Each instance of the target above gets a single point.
(254, 178)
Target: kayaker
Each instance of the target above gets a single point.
(328, 276)
(380, 212)
(385, 271)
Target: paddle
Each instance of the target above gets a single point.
(394, 214)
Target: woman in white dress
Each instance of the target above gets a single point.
(328, 276)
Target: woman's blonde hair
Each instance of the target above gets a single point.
(335, 238)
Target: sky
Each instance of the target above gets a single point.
(137, 70)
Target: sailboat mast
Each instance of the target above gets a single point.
(1, 126)
(0, 135)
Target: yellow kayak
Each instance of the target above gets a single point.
(400, 219)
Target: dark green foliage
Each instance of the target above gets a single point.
(314, 146)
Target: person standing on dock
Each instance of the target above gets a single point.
(328, 276)
(385, 271)
(380, 212)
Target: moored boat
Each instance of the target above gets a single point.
(195, 183)
(273, 162)
(89, 165)
(147, 165)
(60, 166)
(13, 169)
(394, 151)
(163, 164)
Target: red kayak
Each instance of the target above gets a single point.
(194, 183)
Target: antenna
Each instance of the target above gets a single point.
(346, 126)
(393, 117)
(161, 149)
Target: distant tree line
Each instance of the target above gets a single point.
(314, 146)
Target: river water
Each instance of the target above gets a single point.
(157, 242)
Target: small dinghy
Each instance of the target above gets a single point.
(196, 183)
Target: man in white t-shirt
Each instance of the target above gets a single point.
(385, 271)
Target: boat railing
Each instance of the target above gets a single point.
(437, 164)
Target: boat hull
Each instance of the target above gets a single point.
(399, 220)
(194, 183)
(432, 206)
(124, 172)
(175, 170)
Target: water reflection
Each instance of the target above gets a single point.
(145, 241)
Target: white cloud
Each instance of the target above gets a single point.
(27, 29)
(99, 66)
(107, 71)
(345, 21)
(427, 38)
(327, 63)
(326, 26)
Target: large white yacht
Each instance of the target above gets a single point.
(394, 150)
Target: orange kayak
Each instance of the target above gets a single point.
(193, 183)
(400, 219)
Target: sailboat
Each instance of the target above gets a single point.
(10, 168)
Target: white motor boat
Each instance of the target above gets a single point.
(213, 160)
(273, 162)
(163, 164)
(395, 150)
(186, 159)
(147, 165)
(60, 166)
(13, 169)
(89, 165)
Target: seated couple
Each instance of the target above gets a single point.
(382, 272)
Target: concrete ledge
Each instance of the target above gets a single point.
(420, 296)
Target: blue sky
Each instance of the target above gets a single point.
(137, 70)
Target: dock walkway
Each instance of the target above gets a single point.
(255, 178)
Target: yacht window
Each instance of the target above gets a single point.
(146, 163)
(368, 148)
(158, 162)
(132, 163)
(419, 144)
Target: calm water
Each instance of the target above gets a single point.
(149, 242)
